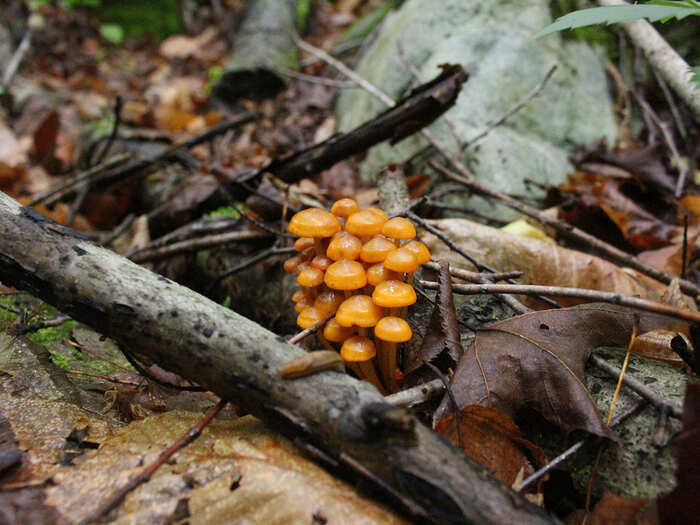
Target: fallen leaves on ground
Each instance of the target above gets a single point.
(235, 469)
(537, 360)
(493, 439)
(641, 228)
(540, 262)
(442, 334)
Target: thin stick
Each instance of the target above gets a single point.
(455, 407)
(16, 60)
(512, 111)
(80, 177)
(193, 245)
(192, 434)
(311, 329)
(578, 293)
(121, 228)
(576, 446)
(567, 230)
(261, 256)
(417, 394)
(331, 82)
(475, 276)
(47, 323)
(638, 387)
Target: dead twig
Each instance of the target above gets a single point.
(192, 434)
(638, 387)
(578, 293)
(17, 58)
(46, 323)
(261, 256)
(567, 230)
(194, 245)
(576, 446)
(475, 276)
(536, 91)
(416, 395)
(310, 330)
(80, 177)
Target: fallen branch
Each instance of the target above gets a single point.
(663, 58)
(341, 418)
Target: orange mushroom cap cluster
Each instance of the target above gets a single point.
(356, 263)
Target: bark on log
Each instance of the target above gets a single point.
(348, 421)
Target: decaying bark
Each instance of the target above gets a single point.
(263, 47)
(344, 420)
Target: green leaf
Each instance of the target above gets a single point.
(113, 33)
(619, 14)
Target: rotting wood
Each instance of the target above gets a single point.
(240, 361)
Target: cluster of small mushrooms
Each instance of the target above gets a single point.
(358, 264)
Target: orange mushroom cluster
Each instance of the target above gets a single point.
(358, 264)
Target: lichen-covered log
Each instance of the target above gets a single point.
(345, 419)
(264, 46)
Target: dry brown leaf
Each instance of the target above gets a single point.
(236, 471)
(658, 344)
(536, 361)
(540, 262)
(206, 46)
(493, 439)
(42, 428)
(616, 509)
(442, 334)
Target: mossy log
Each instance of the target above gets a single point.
(343, 420)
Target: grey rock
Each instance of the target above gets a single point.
(493, 42)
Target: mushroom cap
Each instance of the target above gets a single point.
(399, 228)
(302, 243)
(393, 329)
(379, 212)
(357, 349)
(321, 262)
(377, 273)
(335, 332)
(358, 310)
(328, 301)
(310, 277)
(308, 317)
(291, 264)
(303, 305)
(345, 275)
(344, 208)
(344, 246)
(393, 294)
(300, 295)
(376, 249)
(314, 222)
(419, 250)
(365, 223)
(401, 260)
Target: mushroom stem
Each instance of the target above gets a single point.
(319, 249)
(387, 359)
(368, 372)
